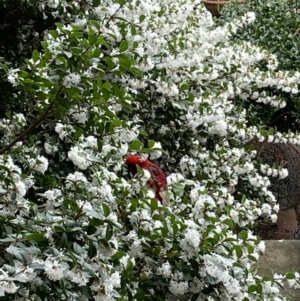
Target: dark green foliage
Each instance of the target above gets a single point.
(276, 29)
(22, 27)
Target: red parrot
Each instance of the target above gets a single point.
(157, 183)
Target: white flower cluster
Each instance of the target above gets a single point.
(267, 170)
(39, 164)
(13, 127)
(73, 221)
(220, 269)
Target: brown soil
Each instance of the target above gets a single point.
(283, 229)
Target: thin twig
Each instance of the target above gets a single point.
(31, 127)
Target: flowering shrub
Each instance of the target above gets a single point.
(276, 28)
(149, 77)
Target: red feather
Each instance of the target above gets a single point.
(158, 182)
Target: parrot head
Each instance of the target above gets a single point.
(132, 161)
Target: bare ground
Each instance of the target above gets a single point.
(283, 229)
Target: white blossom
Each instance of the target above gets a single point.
(79, 157)
(178, 288)
(156, 150)
(54, 270)
(8, 286)
(39, 164)
(114, 281)
(72, 79)
(165, 270)
(50, 149)
(52, 195)
(165, 74)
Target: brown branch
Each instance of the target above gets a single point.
(8, 24)
(31, 127)
(5, 25)
(297, 31)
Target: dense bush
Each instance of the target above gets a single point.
(22, 27)
(116, 77)
(277, 29)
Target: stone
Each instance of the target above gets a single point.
(281, 257)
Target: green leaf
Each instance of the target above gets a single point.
(178, 188)
(106, 210)
(243, 235)
(164, 231)
(110, 63)
(63, 240)
(157, 217)
(252, 289)
(35, 55)
(28, 81)
(96, 53)
(290, 275)
(154, 237)
(92, 39)
(36, 237)
(238, 251)
(78, 249)
(9, 268)
(142, 18)
(133, 30)
(143, 132)
(136, 145)
(153, 205)
(95, 23)
(253, 258)
(99, 145)
(92, 250)
(184, 87)
(20, 254)
(259, 288)
(123, 46)
(107, 86)
(76, 50)
(125, 62)
(271, 131)
(7, 239)
(151, 143)
(105, 94)
(229, 222)
(175, 228)
(71, 203)
(54, 33)
(109, 233)
(135, 71)
(96, 3)
(250, 249)
(264, 133)
(95, 214)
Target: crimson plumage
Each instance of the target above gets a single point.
(158, 182)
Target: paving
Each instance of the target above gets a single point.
(281, 256)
